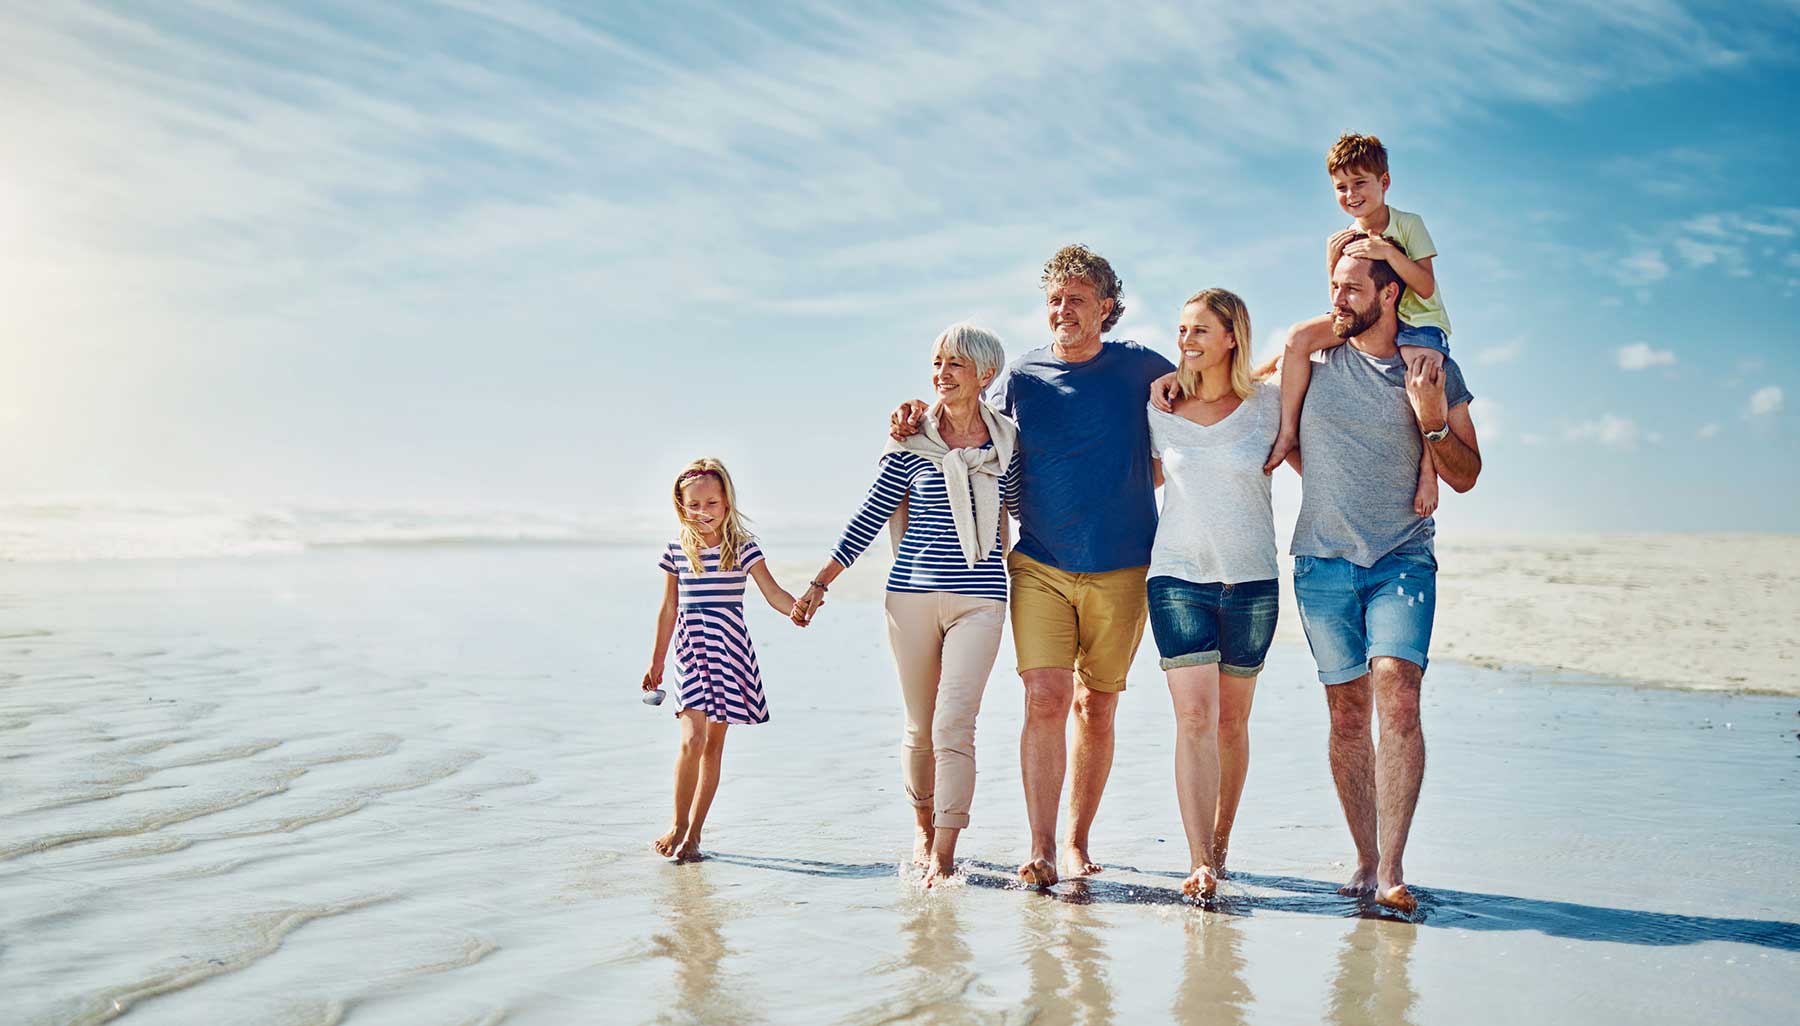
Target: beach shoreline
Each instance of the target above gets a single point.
(1657, 611)
(420, 782)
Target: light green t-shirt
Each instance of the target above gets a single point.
(1408, 232)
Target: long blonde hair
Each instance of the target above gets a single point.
(1235, 316)
(732, 533)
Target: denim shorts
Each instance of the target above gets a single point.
(1228, 624)
(1353, 615)
(1425, 336)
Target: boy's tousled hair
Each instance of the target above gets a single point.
(1078, 261)
(1235, 316)
(732, 534)
(1354, 152)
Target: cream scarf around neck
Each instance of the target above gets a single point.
(965, 471)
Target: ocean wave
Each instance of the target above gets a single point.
(82, 530)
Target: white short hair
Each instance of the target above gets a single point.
(976, 345)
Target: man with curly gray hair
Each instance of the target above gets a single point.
(1087, 518)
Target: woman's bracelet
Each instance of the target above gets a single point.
(815, 582)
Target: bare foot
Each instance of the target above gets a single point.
(1076, 861)
(1425, 499)
(665, 845)
(689, 850)
(922, 837)
(1397, 898)
(1361, 885)
(942, 868)
(1219, 863)
(1201, 885)
(1039, 872)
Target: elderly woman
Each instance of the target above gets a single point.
(1212, 579)
(943, 493)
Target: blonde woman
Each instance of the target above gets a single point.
(945, 491)
(1212, 582)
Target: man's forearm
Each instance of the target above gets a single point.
(1458, 465)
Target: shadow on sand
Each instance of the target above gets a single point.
(1465, 910)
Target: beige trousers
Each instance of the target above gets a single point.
(944, 646)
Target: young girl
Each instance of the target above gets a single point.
(703, 611)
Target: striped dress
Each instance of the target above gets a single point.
(717, 663)
(930, 558)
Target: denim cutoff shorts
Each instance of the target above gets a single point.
(1352, 614)
(1425, 336)
(1228, 624)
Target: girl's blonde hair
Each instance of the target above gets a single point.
(1235, 316)
(732, 534)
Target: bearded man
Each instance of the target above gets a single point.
(1365, 575)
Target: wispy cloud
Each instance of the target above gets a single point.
(1639, 356)
(1708, 431)
(1610, 430)
(419, 233)
(1766, 401)
(1640, 267)
(1501, 354)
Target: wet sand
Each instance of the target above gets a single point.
(416, 786)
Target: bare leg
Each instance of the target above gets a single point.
(1043, 761)
(1399, 771)
(687, 775)
(943, 855)
(711, 763)
(1353, 770)
(1235, 697)
(1195, 690)
(922, 835)
(1094, 711)
(1425, 495)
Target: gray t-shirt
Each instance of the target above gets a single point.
(1360, 446)
(1218, 520)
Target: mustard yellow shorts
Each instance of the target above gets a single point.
(1089, 623)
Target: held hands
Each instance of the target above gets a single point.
(808, 604)
(904, 422)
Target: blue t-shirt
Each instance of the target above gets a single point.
(1087, 502)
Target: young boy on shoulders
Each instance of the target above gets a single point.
(1358, 165)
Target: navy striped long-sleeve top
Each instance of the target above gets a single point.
(930, 558)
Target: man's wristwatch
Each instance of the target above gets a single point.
(1440, 434)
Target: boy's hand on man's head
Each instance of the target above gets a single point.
(1334, 246)
(1375, 247)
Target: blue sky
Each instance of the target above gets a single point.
(529, 255)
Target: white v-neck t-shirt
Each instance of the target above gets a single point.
(1218, 516)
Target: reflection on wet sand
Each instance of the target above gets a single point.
(932, 973)
(705, 991)
(1212, 974)
(1065, 954)
(1373, 986)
